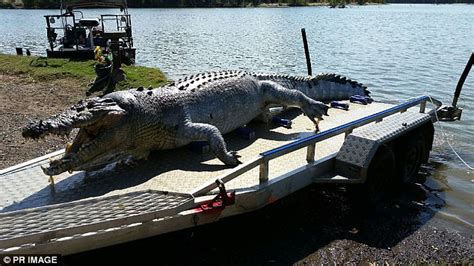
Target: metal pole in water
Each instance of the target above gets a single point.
(306, 52)
(463, 77)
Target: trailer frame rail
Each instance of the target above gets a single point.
(310, 144)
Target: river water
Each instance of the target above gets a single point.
(399, 51)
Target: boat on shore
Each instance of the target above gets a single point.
(71, 34)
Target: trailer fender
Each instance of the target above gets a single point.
(408, 135)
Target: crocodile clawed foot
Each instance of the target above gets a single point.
(314, 111)
(232, 158)
(316, 125)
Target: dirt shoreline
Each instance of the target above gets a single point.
(315, 225)
(23, 100)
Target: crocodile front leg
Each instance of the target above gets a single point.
(274, 93)
(199, 131)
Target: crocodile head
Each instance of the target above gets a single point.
(94, 146)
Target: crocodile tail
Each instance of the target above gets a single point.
(323, 87)
(329, 87)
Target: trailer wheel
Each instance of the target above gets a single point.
(381, 175)
(410, 157)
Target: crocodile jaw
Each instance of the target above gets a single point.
(94, 146)
(70, 162)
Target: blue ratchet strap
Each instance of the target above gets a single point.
(340, 105)
(282, 122)
(360, 99)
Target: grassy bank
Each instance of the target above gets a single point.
(82, 72)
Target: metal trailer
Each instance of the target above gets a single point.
(179, 189)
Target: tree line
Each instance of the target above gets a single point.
(430, 1)
(237, 3)
(230, 3)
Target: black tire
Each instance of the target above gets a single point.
(410, 155)
(382, 180)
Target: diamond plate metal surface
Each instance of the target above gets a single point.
(393, 126)
(360, 146)
(357, 151)
(47, 219)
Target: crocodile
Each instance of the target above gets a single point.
(128, 125)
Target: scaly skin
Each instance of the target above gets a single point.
(130, 124)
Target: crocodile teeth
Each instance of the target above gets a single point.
(68, 147)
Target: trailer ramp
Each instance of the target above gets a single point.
(39, 225)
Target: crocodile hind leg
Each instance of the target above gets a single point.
(199, 131)
(274, 93)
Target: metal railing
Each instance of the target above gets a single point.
(309, 143)
(122, 22)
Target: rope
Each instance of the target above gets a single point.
(443, 133)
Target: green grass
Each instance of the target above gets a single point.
(42, 69)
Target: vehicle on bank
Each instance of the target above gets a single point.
(74, 34)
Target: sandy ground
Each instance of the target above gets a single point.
(22, 100)
(315, 225)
